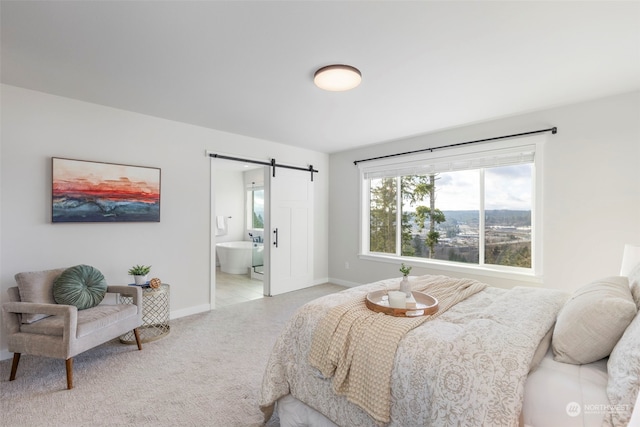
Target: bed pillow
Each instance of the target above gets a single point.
(634, 284)
(37, 287)
(541, 351)
(592, 321)
(83, 286)
(624, 374)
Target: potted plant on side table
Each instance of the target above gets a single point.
(139, 273)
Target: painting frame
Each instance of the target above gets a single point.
(91, 191)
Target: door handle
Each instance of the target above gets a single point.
(275, 240)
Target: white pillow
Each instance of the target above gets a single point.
(634, 284)
(624, 374)
(592, 321)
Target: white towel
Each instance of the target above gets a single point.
(221, 225)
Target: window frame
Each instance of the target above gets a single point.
(250, 206)
(533, 274)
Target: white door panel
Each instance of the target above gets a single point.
(291, 214)
(300, 239)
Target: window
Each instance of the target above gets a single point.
(255, 208)
(475, 209)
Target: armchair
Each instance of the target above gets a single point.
(66, 331)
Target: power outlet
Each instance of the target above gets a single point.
(346, 265)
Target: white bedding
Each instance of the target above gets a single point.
(552, 393)
(467, 367)
(564, 395)
(294, 413)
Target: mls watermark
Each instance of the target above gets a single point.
(574, 409)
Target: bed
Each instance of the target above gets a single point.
(486, 360)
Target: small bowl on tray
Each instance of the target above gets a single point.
(378, 301)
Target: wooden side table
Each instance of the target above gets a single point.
(155, 315)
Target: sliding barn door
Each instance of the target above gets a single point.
(290, 229)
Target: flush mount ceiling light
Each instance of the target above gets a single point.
(337, 78)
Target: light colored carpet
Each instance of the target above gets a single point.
(206, 372)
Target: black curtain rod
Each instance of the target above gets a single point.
(272, 163)
(553, 130)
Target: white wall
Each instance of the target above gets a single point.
(38, 126)
(591, 191)
(230, 203)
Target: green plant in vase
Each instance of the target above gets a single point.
(139, 273)
(404, 285)
(405, 270)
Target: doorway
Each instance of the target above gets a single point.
(235, 196)
(286, 236)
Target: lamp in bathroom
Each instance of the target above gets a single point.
(337, 77)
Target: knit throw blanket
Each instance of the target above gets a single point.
(356, 347)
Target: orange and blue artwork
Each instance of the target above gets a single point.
(86, 191)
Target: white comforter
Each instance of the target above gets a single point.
(466, 367)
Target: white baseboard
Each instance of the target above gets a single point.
(176, 314)
(344, 283)
(5, 354)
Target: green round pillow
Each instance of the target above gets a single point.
(83, 286)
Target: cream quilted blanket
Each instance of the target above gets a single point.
(465, 367)
(356, 346)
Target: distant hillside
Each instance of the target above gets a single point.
(493, 217)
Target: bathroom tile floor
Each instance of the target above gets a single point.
(236, 288)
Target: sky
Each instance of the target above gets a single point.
(506, 187)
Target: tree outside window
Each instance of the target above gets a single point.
(443, 217)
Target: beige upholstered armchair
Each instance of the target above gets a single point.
(37, 325)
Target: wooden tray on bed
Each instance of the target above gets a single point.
(425, 304)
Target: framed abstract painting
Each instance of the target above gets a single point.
(85, 191)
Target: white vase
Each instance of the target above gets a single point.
(405, 287)
(140, 280)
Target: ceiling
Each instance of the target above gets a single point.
(247, 67)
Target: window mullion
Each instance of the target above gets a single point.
(481, 221)
(398, 216)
